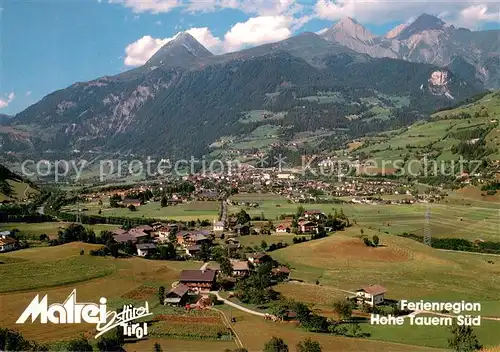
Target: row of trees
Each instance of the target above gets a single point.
(459, 244)
(317, 323)
(374, 242)
(256, 288)
(12, 340)
(462, 339)
(277, 344)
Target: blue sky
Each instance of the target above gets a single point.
(49, 45)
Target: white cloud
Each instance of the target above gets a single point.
(258, 30)
(140, 51)
(386, 11)
(264, 7)
(28, 93)
(5, 102)
(153, 6)
(330, 10)
(254, 7)
(279, 19)
(206, 38)
(255, 31)
(470, 16)
(466, 12)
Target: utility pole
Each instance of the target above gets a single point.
(427, 228)
(78, 210)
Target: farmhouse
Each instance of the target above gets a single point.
(177, 296)
(371, 295)
(7, 243)
(214, 267)
(143, 228)
(118, 231)
(240, 268)
(187, 238)
(128, 201)
(145, 248)
(313, 214)
(219, 225)
(125, 237)
(193, 250)
(162, 233)
(139, 235)
(283, 228)
(258, 258)
(281, 272)
(198, 280)
(157, 225)
(232, 245)
(242, 230)
(307, 226)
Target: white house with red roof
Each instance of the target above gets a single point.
(371, 295)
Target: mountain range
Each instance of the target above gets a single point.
(344, 80)
(428, 39)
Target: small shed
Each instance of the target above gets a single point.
(177, 296)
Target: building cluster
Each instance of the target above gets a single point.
(367, 187)
(307, 224)
(193, 283)
(190, 241)
(247, 179)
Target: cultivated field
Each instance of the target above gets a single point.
(186, 211)
(49, 228)
(341, 263)
(56, 271)
(439, 135)
(472, 218)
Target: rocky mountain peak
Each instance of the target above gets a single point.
(184, 48)
(424, 22)
(352, 28)
(349, 33)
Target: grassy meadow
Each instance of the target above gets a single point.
(341, 263)
(254, 332)
(438, 134)
(56, 271)
(51, 229)
(179, 345)
(20, 190)
(472, 219)
(183, 212)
